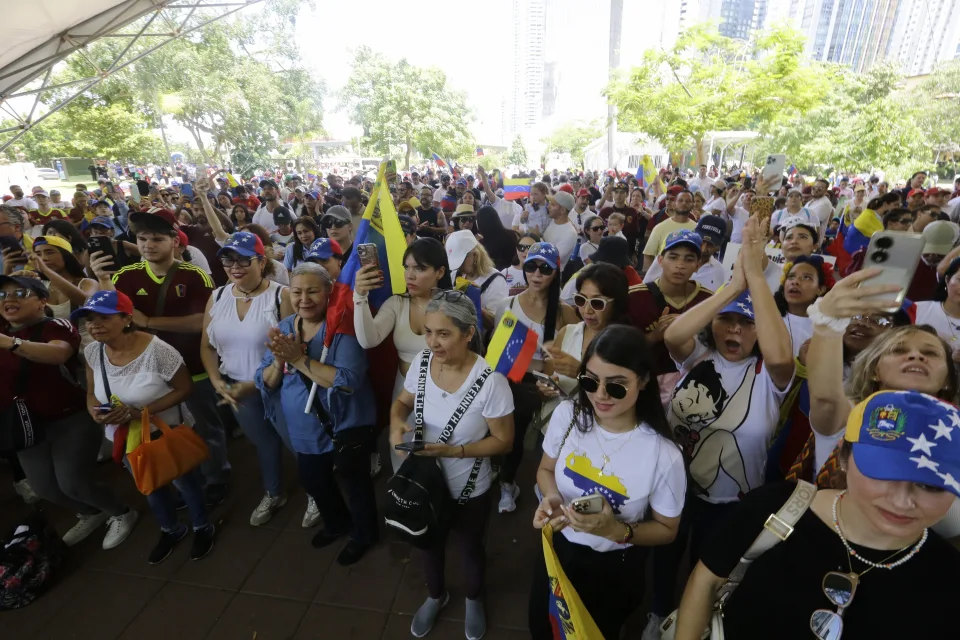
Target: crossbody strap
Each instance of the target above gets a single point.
(165, 287)
(21, 385)
(103, 371)
(777, 528)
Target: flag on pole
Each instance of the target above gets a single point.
(232, 180)
(479, 152)
(439, 161)
(646, 172)
(512, 347)
(516, 188)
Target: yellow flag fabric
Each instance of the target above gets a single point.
(568, 617)
(382, 218)
(232, 180)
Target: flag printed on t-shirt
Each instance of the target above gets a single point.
(590, 479)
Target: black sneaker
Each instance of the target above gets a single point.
(202, 542)
(215, 494)
(352, 553)
(324, 538)
(168, 540)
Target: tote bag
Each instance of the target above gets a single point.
(157, 463)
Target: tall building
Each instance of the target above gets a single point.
(529, 32)
(736, 18)
(926, 32)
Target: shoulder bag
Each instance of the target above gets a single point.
(18, 429)
(777, 528)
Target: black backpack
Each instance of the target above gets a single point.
(418, 500)
(31, 556)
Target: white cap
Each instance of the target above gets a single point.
(459, 244)
(939, 237)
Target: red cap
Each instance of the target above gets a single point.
(914, 192)
(124, 303)
(7, 197)
(674, 190)
(184, 240)
(935, 191)
(566, 187)
(160, 212)
(583, 192)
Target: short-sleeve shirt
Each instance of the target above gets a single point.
(632, 472)
(645, 310)
(494, 401)
(660, 232)
(187, 295)
(632, 225)
(50, 393)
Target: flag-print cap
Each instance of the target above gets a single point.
(743, 304)
(683, 236)
(907, 436)
(323, 249)
(544, 251)
(102, 221)
(105, 302)
(243, 243)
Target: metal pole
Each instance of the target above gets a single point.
(616, 18)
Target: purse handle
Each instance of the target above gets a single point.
(146, 420)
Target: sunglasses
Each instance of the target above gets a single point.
(877, 321)
(523, 248)
(597, 304)
(243, 262)
(19, 294)
(336, 224)
(590, 384)
(542, 267)
(839, 589)
(448, 295)
(596, 228)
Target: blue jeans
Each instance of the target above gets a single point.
(202, 403)
(163, 503)
(267, 438)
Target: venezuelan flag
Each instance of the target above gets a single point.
(232, 180)
(479, 152)
(857, 235)
(439, 161)
(512, 347)
(473, 293)
(646, 172)
(516, 188)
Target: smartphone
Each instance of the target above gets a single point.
(775, 165)
(187, 189)
(16, 256)
(409, 447)
(104, 246)
(550, 382)
(896, 255)
(592, 503)
(105, 408)
(143, 188)
(368, 255)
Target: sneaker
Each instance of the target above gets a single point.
(168, 540)
(376, 465)
(324, 539)
(508, 498)
(312, 515)
(352, 553)
(214, 494)
(652, 630)
(426, 615)
(474, 620)
(119, 527)
(84, 527)
(264, 511)
(202, 542)
(26, 492)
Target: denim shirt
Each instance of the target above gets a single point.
(350, 402)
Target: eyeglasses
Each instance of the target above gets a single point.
(596, 228)
(839, 589)
(243, 262)
(336, 224)
(877, 321)
(590, 384)
(19, 294)
(597, 304)
(523, 248)
(447, 295)
(542, 267)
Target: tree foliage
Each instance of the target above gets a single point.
(938, 97)
(401, 106)
(518, 153)
(572, 138)
(709, 82)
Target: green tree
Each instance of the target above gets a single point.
(400, 106)
(572, 138)
(709, 82)
(937, 99)
(518, 153)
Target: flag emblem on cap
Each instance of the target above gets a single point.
(887, 423)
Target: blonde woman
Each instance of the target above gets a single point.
(468, 259)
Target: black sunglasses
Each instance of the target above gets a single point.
(243, 262)
(596, 228)
(523, 248)
(590, 384)
(449, 295)
(542, 267)
(337, 224)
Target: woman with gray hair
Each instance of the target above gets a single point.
(298, 371)
(454, 372)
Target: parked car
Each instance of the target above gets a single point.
(47, 174)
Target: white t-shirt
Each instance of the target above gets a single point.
(931, 312)
(495, 400)
(507, 210)
(516, 282)
(800, 329)
(823, 209)
(140, 382)
(644, 469)
(724, 414)
(264, 218)
(739, 218)
(563, 237)
(494, 293)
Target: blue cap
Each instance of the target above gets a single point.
(462, 181)
(313, 194)
(92, 203)
(683, 236)
(102, 221)
(906, 436)
(323, 249)
(243, 243)
(105, 302)
(543, 251)
(743, 304)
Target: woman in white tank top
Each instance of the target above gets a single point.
(235, 327)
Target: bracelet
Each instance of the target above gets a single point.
(463, 451)
(628, 536)
(819, 319)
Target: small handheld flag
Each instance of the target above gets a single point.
(439, 161)
(516, 188)
(480, 152)
(474, 294)
(232, 180)
(512, 347)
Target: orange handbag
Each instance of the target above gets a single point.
(157, 463)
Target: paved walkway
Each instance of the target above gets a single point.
(264, 583)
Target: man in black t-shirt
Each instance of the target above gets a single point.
(432, 221)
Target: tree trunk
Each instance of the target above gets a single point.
(700, 154)
(409, 143)
(196, 138)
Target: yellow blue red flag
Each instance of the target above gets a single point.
(568, 617)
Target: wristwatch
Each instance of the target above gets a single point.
(17, 343)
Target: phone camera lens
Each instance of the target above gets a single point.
(879, 256)
(884, 243)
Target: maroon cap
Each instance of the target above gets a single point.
(156, 212)
(674, 190)
(935, 191)
(566, 187)
(583, 192)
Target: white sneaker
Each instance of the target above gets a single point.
(264, 511)
(508, 498)
(84, 527)
(26, 492)
(311, 515)
(119, 527)
(652, 630)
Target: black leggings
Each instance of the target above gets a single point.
(468, 522)
(609, 583)
(526, 402)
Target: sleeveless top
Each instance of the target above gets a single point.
(242, 343)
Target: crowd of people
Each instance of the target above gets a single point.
(711, 353)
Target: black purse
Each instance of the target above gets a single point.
(18, 429)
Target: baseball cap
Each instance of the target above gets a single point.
(407, 224)
(935, 191)
(860, 187)
(683, 236)
(720, 184)
(337, 212)
(905, 436)
(914, 192)
(798, 221)
(712, 229)
(470, 177)
(54, 241)
(32, 284)
(41, 192)
(939, 237)
(742, 304)
(54, 192)
(612, 250)
(621, 186)
(243, 243)
(566, 188)
(184, 240)
(267, 182)
(155, 217)
(461, 181)
(674, 190)
(545, 252)
(313, 195)
(499, 193)
(458, 245)
(102, 221)
(105, 302)
(281, 215)
(583, 192)
(564, 198)
(323, 249)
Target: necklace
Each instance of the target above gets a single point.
(440, 378)
(873, 565)
(953, 328)
(249, 294)
(606, 457)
